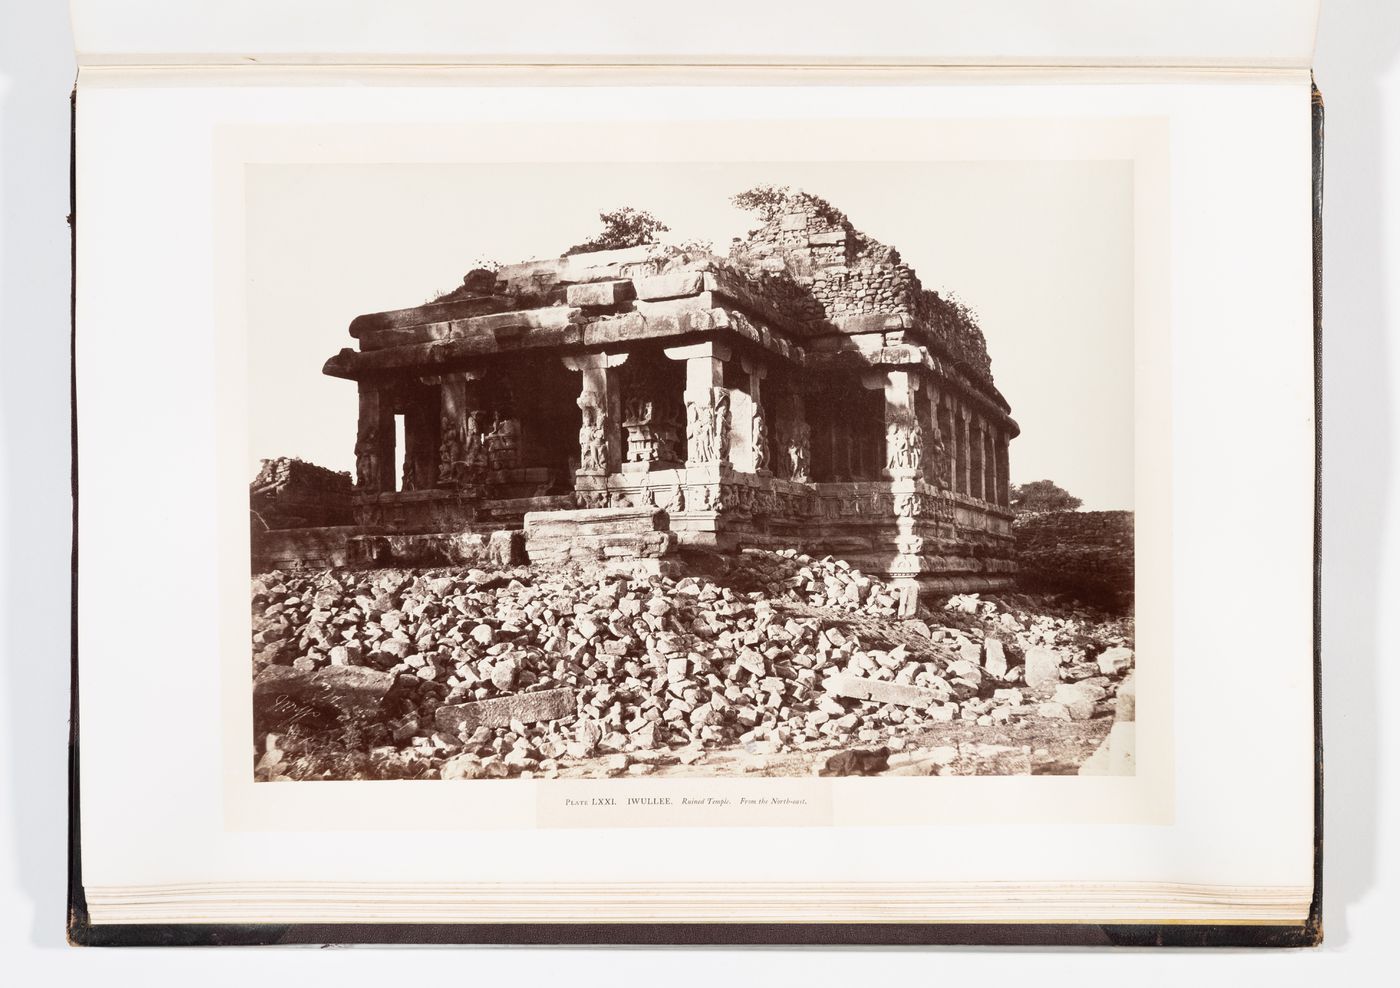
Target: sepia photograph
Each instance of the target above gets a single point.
(589, 470)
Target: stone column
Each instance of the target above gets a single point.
(750, 425)
(421, 422)
(374, 442)
(599, 402)
(904, 438)
(990, 486)
(707, 413)
(1003, 470)
(963, 415)
(976, 449)
(792, 452)
(462, 456)
(953, 440)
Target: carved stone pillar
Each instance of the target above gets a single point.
(792, 452)
(750, 423)
(964, 449)
(374, 442)
(1003, 470)
(421, 421)
(904, 436)
(599, 403)
(976, 450)
(707, 412)
(462, 459)
(935, 439)
(989, 457)
(953, 418)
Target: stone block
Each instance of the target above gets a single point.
(672, 285)
(827, 238)
(1042, 668)
(860, 688)
(552, 317)
(1125, 706)
(994, 658)
(527, 708)
(1116, 660)
(600, 293)
(1076, 699)
(1116, 755)
(595, 521)
(283, 696)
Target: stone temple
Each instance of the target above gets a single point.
(804, 392)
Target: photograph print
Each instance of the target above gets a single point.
(589, 470)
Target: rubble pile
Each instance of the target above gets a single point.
(467, 674)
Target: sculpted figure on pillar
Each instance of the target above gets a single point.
(367, 457)
(758, 433)
(450, 451)
(904, 447)
(707, 426)
(503, 443)
(799, 452)
(593, 434)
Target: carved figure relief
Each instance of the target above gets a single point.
(593, 434)
(799, 452)
(707, 427)
(367, 458)
(591, 499)
(503, 444)
(904, 447)
(758, 437)
(449, 450)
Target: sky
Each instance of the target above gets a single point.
(1042, 251)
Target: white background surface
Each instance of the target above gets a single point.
(1357, 71)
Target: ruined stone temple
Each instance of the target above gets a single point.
(805, 391)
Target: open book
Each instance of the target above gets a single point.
(694, 475)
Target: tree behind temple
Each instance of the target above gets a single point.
(624, 227)
(1040, 496)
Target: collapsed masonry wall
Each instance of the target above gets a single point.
(1087, 554)
(848, 274)
(291, 493)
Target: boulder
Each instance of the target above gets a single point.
(1042, 668)
(1116, 660)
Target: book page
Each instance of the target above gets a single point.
(222, 221)
(1257, 33)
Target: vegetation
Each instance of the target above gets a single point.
(1040, 496)
(771, 201)
(623, 227)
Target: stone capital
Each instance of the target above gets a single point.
(593, 361)
(708, 348)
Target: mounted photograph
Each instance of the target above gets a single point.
(589, 470)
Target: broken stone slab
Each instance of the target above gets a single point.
(1116, 755)
(1116, 660)
(1054, 711)
(1042, 668)
(600, 293)
(527, 708)
(1078, 699)
(594, 521)
(1125, 707)
(672, 285)
(994, 658)
(881, 691)
(283, 695)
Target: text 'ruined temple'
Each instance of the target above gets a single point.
(805, 391)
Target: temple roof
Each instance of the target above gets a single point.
(805, 286)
